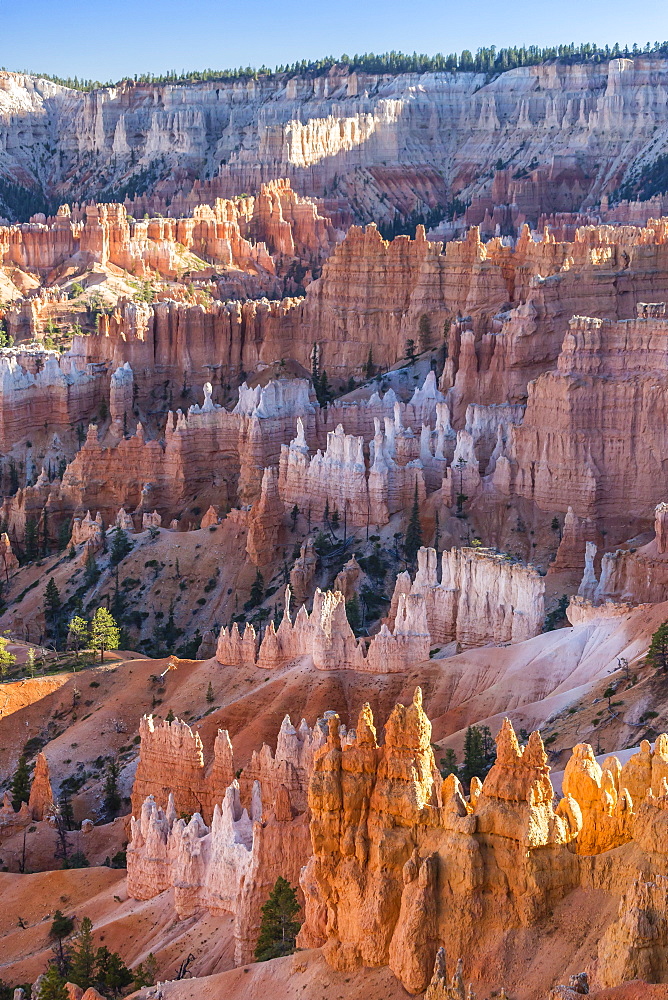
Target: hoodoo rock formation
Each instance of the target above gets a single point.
(325, 636)
(394, 841)
(482, 596)
(408, 139)
(304, 466)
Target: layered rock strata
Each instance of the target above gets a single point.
(377, 142)
(229, 867)
(326, 637)
(171, 763)
(392, 840)
(575, 446)
(482, 596)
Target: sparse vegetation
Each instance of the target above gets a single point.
(279, 929)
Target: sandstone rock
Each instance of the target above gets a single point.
(440, 989)
(210, 518)
(10, 562)
(88, 532)
(326, 636)
(606, 805)
(347, 580)
(482, 597)
(171, 763)
(41, 801)
(230, 867)
(265, 521)
(378, 811)
(567, 428)
(303, 572)
(634, 946)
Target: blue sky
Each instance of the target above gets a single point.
(109, 39)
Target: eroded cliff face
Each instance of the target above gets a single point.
(585, 452)
(413, 139)
(393, 841)
(403, 860)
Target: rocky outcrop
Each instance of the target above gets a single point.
(228, 868)
(385, 827)
(59, 395)
(337, 480)
(10, 562)
(482, 597)
(575, 534)
(41, 802)
(303, 572)
(633, 947)
(257, 828)
(171, 763)
(253, 236)
(264, 522)
(326, 637)
(564, 448)
(88, 531)
(605, 803)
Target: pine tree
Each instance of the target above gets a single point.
(369, 367)
(105, 633)
(145, 973)
(111, 971)
(475, 765)
(413, 531)
(82, 956)
(20, 786)
(257, 590)
(45, 535)
(170, 632)
(278, 929)
(424, 332)
(209, 694)
(65, 809)
(52, 986)
(315, 369)
(170, 716)
(52, 602)
(79, 630)
(61, 928)
(409, 350)
(91, 572)
(120, 546)
(30, 539)
(7, 659)
(449, 763)
(64, 533)
(294, 514)
(112, 797)
(325, 389)
(657, 655)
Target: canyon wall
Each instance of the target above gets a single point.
(261, 237)
(590, 434)
(410, 140)
(482, 596)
